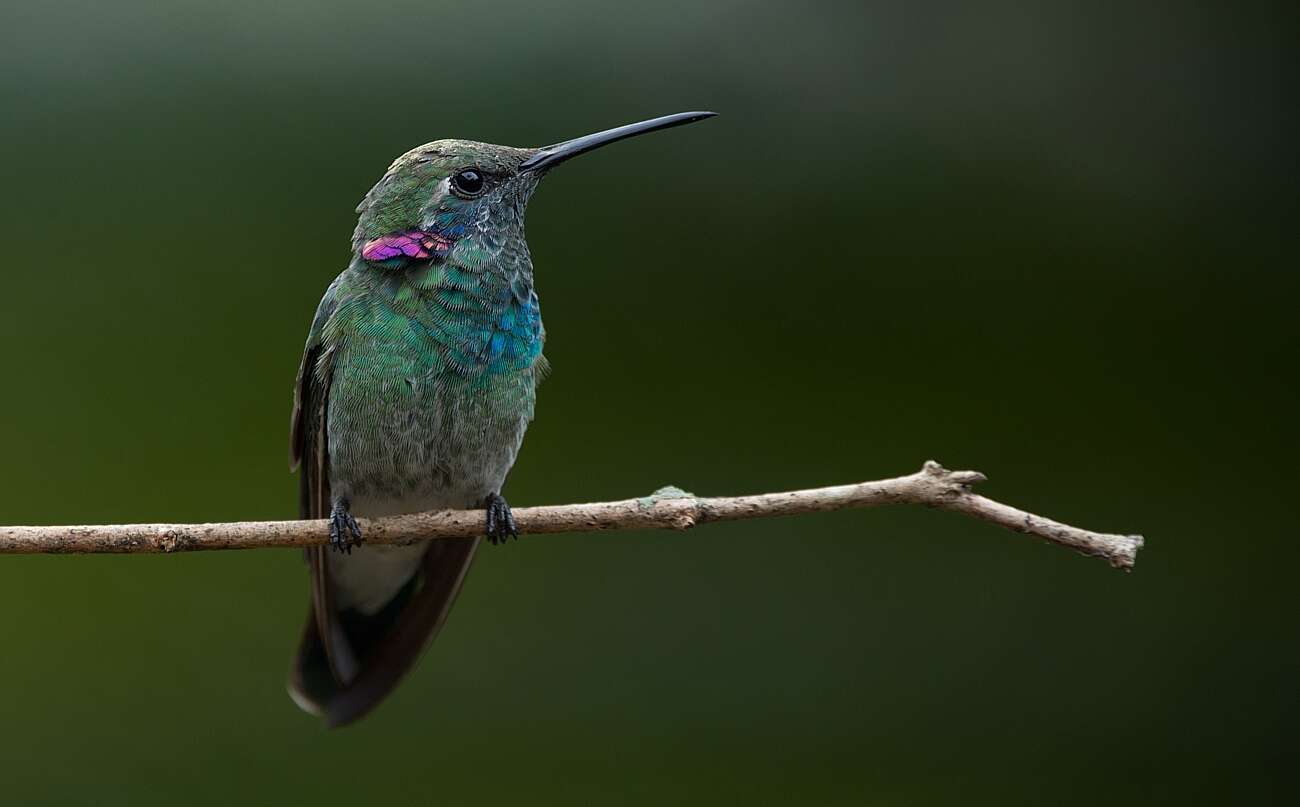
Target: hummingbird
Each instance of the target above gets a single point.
(416, 385)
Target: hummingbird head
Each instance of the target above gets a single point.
(436, 195)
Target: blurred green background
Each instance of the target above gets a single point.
(1040, 240)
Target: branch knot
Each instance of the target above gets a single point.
(954, 482)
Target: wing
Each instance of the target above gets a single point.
(307, 422)
(324, 654)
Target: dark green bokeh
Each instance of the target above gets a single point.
(1041, 242)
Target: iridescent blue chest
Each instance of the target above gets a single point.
(434, 379)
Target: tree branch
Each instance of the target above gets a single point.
(668, 508)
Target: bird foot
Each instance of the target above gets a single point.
(344, 531)
(500, 521)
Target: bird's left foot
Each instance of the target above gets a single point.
(500, 521)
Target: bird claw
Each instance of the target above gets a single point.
(500, 521)
(344, 531)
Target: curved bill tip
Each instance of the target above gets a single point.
(551, 156)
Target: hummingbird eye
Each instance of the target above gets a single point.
(468, 183)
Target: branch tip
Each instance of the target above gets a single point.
(967, 478)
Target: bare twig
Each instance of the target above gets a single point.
(668, 508)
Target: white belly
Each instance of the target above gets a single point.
(369, 577)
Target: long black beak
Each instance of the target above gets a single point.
(551, 156)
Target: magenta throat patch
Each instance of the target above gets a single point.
(414, 244)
